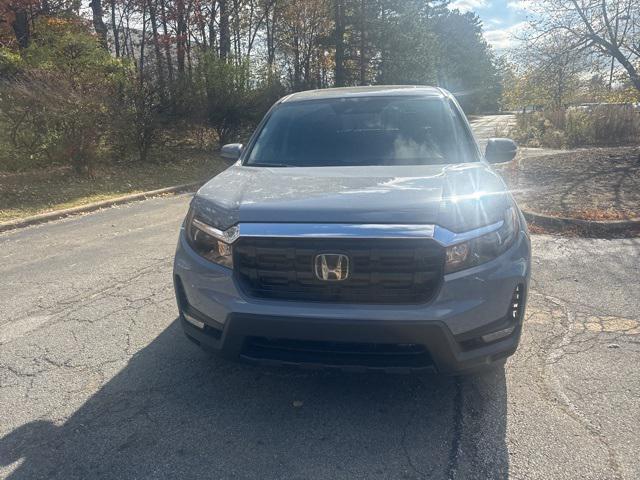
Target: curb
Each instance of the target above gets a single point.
(545, 221)
(593, 227)
(46, 217)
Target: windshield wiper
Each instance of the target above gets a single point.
(274, 165)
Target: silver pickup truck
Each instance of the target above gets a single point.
(359, 229)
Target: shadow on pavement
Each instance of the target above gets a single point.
(175, 412)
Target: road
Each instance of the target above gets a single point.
(97, 380)
(488, 126)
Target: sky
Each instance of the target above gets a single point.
(500, 18)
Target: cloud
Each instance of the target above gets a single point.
(502, 38)
(521, 5)
(469, 5)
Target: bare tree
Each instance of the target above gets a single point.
(550, 72)
(609, 28)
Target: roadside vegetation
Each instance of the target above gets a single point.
(139, 94)
(597, 125)
(54, 188)
(157, 86)
(573, 83)
(574, 80)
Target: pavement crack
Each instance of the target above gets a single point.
(456, 440)
(551, 354)
(403, 442)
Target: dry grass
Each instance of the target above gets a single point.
(599, 214)
(44, 190)
(593, 214)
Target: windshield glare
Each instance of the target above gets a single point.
(362, 132)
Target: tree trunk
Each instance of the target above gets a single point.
(339, 33)
(634, 76)
(142, 43)
(167, 46)
(297, 67)
(20, 27)
(156, 46)
(363, 61)
(270, 20)
(181, 36)
(236, 32)
(225, 34)
(201, 24)
(98, 22)
(212, 28)
(114, 28)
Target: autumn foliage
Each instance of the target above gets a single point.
(84, 86)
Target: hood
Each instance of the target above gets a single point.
(458, 197)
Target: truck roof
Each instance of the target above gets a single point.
(374, 91)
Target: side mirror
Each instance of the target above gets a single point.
(500, 150)
(231, 152)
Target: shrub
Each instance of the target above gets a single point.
(10, 63)
(136, 120)
(56, 103)
(530, 128)
(607, 124)
(553, 139)
(616, 124)
(228, 100)
(579, 128)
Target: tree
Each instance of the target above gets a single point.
(213, 64)
(18, 18)
(57, 103)
(549, 75)
(607, 28)
(304, 24)
(223, 98)
(405, 43)
(466, 63)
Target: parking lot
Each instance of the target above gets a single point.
(97, 380)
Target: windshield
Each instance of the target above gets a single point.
(362, 132)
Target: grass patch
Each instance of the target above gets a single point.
(44, 190)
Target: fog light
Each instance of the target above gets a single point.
(492, 337)
(193, 321)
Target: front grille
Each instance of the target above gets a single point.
(382, 271)
(337, 354)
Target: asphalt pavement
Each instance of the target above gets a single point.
(489, 126)
(98, 381)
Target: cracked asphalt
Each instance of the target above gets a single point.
(97, 380)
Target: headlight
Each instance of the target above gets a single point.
(485, 248)
(209, 242)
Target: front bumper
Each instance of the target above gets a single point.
(443, 335)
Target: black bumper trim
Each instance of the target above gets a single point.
(445, 352)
